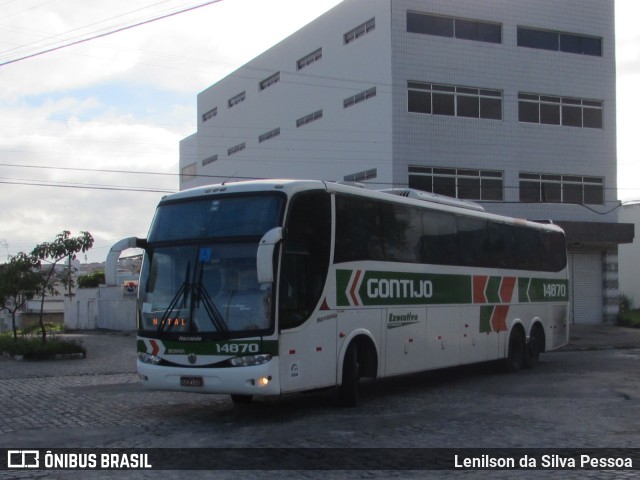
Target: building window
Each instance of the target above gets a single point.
(549, 110)
(312, 117)
(236, 148)
(360, 97)
(267, 82)
(451, 27)
(361, 176)
(359, 31)
(545, 188)
(309, 59)
(233, 101)
(210, 114)
(189, 172)
(209, 160)
(270, 134)
(460, 183)
(559, 41)
(470, 102)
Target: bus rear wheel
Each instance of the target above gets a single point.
(534, 347)
(348, 390)
(517, 351)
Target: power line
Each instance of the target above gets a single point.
(111, 32)
(52, 36)
(95, 170)
(32, 183)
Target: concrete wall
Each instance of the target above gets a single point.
(111, 308)
(80, 311)
(116, 310)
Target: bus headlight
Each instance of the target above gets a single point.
(250, 360)
(148, 358)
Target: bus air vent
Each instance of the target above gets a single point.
(433, 197)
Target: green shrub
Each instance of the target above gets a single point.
(34, 349)
(629, 318)
(625, 303)
(91, 280)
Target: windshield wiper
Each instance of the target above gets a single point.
(182, 292)
(209, 306)
(194, 293)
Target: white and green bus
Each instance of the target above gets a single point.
(270, 287)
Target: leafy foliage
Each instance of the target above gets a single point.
(630, 318)
(63, 247)
(91, 280)
(20, 281)
(34, 349)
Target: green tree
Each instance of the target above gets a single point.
(64, 246)
(20, 281)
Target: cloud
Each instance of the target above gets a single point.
(122, 102)
(110, 141)
(627, 105)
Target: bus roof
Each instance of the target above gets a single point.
(401, 196)
(287, 186)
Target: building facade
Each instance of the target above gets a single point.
(629, 258)
(510, 104)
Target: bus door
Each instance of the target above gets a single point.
(307, 331)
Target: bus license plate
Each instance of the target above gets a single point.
(191, 381)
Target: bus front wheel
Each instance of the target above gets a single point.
(348, 390)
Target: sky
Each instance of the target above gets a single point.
(89, 133)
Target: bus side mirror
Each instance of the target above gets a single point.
(265, 254)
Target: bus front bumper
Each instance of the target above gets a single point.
(254, 380)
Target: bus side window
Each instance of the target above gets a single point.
(474, 242)
(439, 242)
(359, 229)
(305, 257)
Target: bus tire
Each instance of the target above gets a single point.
(517, 350)
(534, 347)
(348, 390)
(241, 399)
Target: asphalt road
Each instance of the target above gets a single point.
(586, 396)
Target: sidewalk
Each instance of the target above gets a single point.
(602, 337)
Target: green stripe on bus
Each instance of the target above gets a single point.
(542, 290)
(363, 288)
(374, 288)
(485, 318)
(493, 289)
(342, 281)
(218, 347)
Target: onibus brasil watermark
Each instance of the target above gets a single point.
(33, 459)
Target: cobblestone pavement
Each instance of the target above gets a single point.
(586, 396)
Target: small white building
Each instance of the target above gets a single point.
(511, 104)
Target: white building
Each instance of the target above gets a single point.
(511, 104)
(629, 256)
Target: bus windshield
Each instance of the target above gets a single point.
(199, 275)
